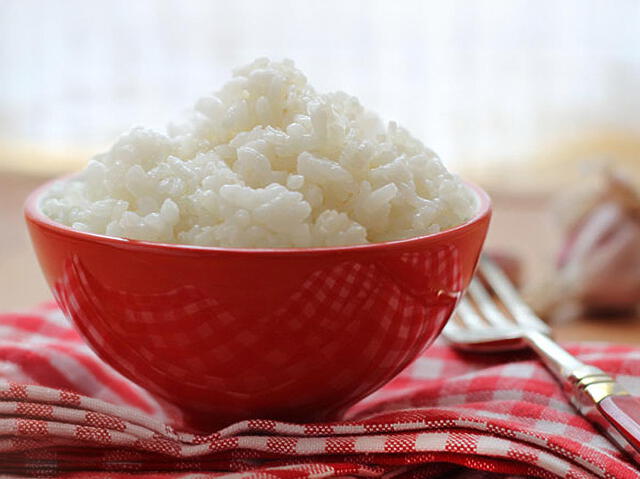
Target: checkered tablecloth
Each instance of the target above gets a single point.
(65, 413)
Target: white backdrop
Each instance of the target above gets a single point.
(479, 82)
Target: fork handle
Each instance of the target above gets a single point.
(594, 393)
(623, 413)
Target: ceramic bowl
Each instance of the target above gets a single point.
(231, 334)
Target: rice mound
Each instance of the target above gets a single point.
(265, 162)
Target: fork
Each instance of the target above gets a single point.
(506, 323)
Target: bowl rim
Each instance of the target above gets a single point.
(34, 214)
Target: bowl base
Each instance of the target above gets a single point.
(207, 422)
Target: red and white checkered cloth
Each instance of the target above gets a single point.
(65, 413)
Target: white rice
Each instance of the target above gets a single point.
(265, 162)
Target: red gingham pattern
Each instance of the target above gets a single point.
(182, 321)
(64, 413)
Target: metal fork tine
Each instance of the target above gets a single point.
(487, 306)
(498, 281)
(451, 329)
(468, 315)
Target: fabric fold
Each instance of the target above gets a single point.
(447, 413)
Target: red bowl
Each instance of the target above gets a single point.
(231, 334)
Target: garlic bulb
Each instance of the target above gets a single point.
(598, 265)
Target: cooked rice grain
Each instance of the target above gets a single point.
(265, 162)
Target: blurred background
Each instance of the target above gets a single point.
(518, 95)
(487, 84)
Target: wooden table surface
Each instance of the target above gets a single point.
(520, 225)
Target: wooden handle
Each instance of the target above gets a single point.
(623, 412)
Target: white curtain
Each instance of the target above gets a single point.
(480, 82)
